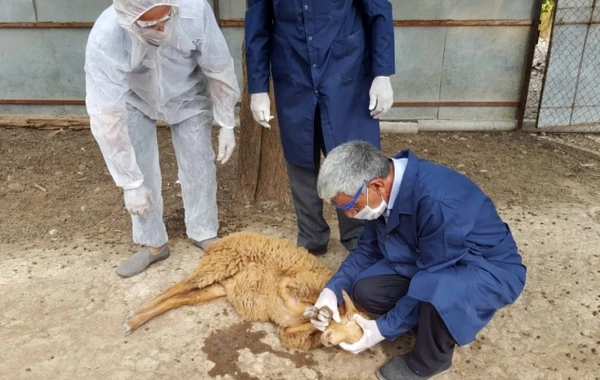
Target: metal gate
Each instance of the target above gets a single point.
(570, 100)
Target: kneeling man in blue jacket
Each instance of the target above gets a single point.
(435, 257)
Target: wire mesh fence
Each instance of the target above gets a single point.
(570, 97)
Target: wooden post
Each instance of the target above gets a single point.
(261, 168)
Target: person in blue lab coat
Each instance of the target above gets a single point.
(434, 255)
(331, 63)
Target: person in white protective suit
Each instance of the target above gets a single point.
(149, 60)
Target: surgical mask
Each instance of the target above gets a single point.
(368, 213)
(154, 36)
(147, 31)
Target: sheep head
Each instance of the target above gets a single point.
(347, 330)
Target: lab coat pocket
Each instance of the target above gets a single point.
(349, 56)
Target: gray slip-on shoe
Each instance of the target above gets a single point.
(204, 243)
(397, 369)
(137, 263)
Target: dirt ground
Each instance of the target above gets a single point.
(63, 230)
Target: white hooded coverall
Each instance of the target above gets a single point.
(186, 81)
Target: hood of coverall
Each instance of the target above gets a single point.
(129, 10)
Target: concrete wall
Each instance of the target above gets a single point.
(434, 63)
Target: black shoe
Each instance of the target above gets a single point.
(318, 251)
(350, 245)
(397, 369)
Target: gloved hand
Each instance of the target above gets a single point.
(371, 336)
(261, 108)
(226, 144)
(138, 201)
(382, 96)
(326, 298)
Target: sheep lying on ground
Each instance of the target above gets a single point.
(265, 279)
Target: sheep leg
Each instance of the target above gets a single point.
(179, 288)
(305, 327)
(303, 337)
(192, 297)
(295, 302)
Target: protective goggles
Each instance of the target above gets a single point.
(350, 204)
(153, 23)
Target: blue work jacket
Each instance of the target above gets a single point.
(445, 235)
(323, 52)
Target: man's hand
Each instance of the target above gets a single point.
(382, 97)
(226, 144)
(260, 104)
(138, 201)
(326, 299)
(371, 336)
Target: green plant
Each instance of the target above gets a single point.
(548, 6)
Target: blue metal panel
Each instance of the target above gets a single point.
(483, 64)
(462, 9)
(69, 10)
(433, 63)
(17, 11)
(234, 37)
(478, 113)
(229, 9)
(411, 113)
(42, 110)
(419, 57)
(50, 67)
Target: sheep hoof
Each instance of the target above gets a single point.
(325, 314)
(126, 330)
(129, 315)
(310, 312)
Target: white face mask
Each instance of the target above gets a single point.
(368, 213)
(154, 36)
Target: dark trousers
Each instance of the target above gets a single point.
(313, 231)
(434, 346)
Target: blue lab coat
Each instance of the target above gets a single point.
(319, 51)
(445, 235)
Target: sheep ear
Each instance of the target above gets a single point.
(350, 308)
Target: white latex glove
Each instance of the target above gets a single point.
(382, 96)
(326, 298)
(371, 336)
(138, 201)
(226, 144)
(260, 104)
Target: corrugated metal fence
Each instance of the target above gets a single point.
(457, 60)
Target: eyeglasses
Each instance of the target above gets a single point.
(153, 23)
(351, 204)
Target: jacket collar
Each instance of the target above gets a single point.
(404, 200)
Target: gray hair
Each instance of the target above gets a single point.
(348, 166)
